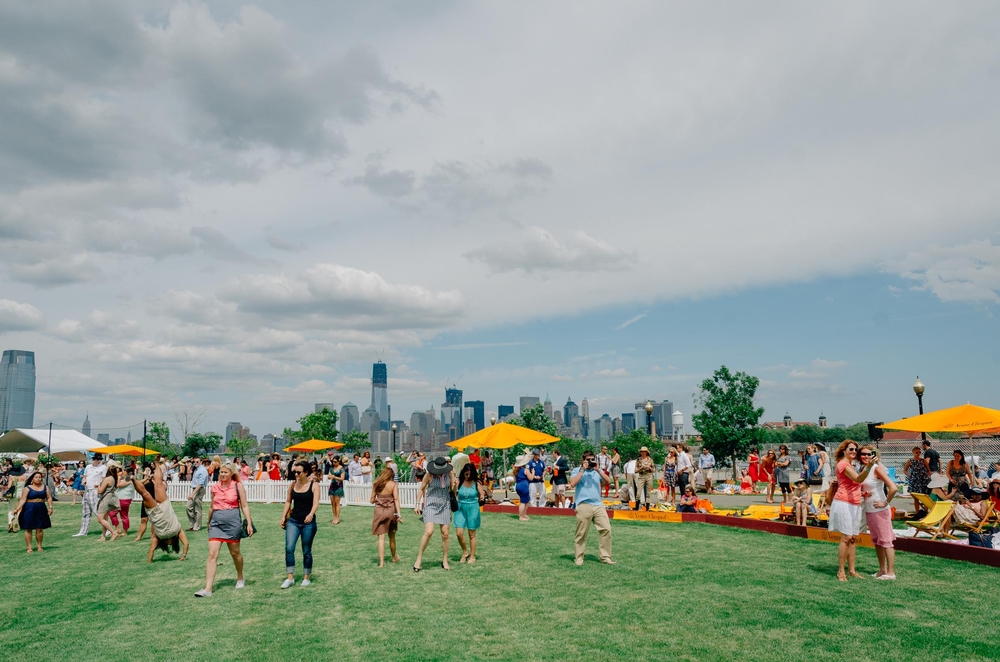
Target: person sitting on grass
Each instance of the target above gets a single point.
(688, 500)
(802, 501)
(167, 531)
(746, 484)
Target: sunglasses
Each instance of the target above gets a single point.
(852, 450)
(866, 455)
(297, 471)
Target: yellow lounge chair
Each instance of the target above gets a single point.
(937, 523)
(984, 523)
(763, 512)
(924, 500)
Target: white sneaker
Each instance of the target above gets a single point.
(79, 535)
(305, 582)
(240, 583)
(203, 594)
(288, 583)
(889, 577)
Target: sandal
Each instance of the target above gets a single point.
(464, 558)
(416, 569)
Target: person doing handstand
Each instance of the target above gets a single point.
(167, 531)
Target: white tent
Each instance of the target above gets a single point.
(22, 440)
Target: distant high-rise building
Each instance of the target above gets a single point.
(547, 406)
(576, 427)
(662, 416)
(119, 441)
(570, 411)
(104, 438)
(320, 406)
(616, 427)
(452, 422)
(350, 419)
(371, 423)
(585, 415)
(85, 428)
(470, 427)
(17, 389)
(628, 422)
(527, 402)
(380, 393)
(557, 416)
(603, 429)
(476, 410)
(234, 429)
(504, 411)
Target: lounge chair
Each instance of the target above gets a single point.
(924, 500)
(985, 523)
(937, 522)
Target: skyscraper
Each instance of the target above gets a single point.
(380, 395)
(628, 422)
(320, 406)
(547, 406)
(85, 428)
(503, 411)
(661, 417)
(371, 423)
(570, 411)
(476, 410)
(585, 416)
(17, 389)
(528, 401)
(234, 429)
(350, 419)
(452, 422)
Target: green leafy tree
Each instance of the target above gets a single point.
(314, 425)
(198, 444)
(355, 441)
(534, 418)
(158, 438)
(629, 443)
(241, 444)
(833, 436)
(728, 418)
(858, 432)
(772, 438)
(806, 434)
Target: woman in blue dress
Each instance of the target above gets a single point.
(467, 516)
(34, 509)
(522, 478)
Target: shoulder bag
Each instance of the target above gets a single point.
(246, 528)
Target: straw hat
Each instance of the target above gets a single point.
(643, 450)
(522, 460)
(937, 480)
(439, 466)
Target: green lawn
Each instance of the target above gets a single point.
(679, 591)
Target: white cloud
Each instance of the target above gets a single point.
(561, 378)
(966, 272)
(804, 374)
(607, 373)
(538, 250)
(630, 321)
(15, 316)
(825, 364)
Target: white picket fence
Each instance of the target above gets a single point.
(275, 491)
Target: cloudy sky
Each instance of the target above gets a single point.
(239, 206)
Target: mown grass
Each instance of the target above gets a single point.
(688, 592)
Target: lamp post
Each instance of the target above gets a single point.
(649, 418)
(918, 388)
(493, 419)
(393, 438)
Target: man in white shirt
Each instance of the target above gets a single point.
(630, 478)
(685, 468)
(92, 477)
(604, 464)
(706, 463)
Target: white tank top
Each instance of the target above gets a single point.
(876, 488)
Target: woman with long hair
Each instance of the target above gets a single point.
(224, 525)
(34, 509)
(467, 516)
(670, 475)
(107, 502)
(878, 491)
(167, 533)
(386, 518)
(125, 494)
(917, 475)
(753, 468)
(338, 474)
(767, 470)
(299, 519)
(521, 485)
(366, 467)
(960, 474)
(434, 502)
(845, 505)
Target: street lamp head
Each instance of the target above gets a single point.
(918, 387)
(493, 419)
(394, 427)
(649, 407)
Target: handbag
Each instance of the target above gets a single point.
(246, 528)
(453, 501)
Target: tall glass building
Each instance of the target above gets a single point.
(476, 410)
(17, 389)
(380, 393)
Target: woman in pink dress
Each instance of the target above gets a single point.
(754, 469)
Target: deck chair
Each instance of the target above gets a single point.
(937, 523)
(820, 516)
(924, 500)
(983, 525)
(762, 512)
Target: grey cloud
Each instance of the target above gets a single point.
(98, 326)
(56, 271)
(387, 183)
(529, 167)
(967, 272)
(218, 245)
(15, 316)
(537, 250)
(282, 245)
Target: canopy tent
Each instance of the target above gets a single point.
(966, 419)
(313, 446)
(123, 449)
(503, 435)
(23, 440)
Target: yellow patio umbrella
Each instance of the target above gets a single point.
(123, 449)
(967, 419)
(503, 436)
(313, 445)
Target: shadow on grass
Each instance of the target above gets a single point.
(829, 570)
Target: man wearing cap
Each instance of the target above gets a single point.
(590, 509)
(536, 484)
(391, 464)
(644, 483)
(195, 500)
(92, 477)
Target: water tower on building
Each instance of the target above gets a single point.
(678, 423)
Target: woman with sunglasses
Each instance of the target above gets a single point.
(845, 508)
(224, 526)
(299, 519)
(878, 491)
(338, 474)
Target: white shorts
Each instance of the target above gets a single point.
(845, 517)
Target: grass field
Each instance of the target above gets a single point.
(682, 591)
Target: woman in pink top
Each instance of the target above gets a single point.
(224, 525)
(845, 508)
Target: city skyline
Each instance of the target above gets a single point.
(509, 199)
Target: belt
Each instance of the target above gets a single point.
(34, 500)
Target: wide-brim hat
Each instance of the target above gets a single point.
(522, 460)
(820, 446)
(996, 478)
(439, 466)
(801, 481)
(937, 480)
(643, 450)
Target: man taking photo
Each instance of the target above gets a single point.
(590, 508)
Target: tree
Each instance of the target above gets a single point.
(314, 425)
(833, 436)
(197, 444)
(187, 421)
(628, 445)
(241, 444)
(158, 438)
(728, 418)
(806, 434)
(355, 441)
(772, 438)
(534, 418)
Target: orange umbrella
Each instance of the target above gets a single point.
(313, 445)
(965, 418)
(123, 449)
(503, 435)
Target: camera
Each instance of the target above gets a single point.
(590, 463)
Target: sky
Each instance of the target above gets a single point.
(241, 206)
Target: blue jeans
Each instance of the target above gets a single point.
(293, 530)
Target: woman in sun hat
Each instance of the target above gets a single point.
(845, 509)
(522, 485)
(434, 502)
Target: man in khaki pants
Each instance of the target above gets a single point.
(586, 482)
(644, 482)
